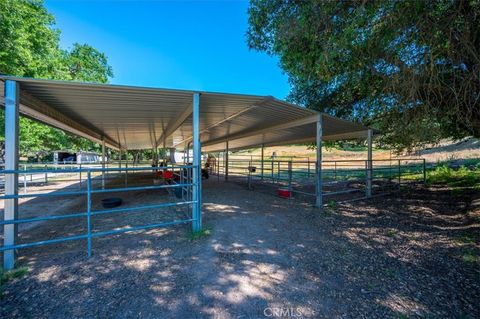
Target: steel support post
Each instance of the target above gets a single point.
(10, 231)
(103, 163)
(89, 214)
(271, 172)
(217, 164)
(369, 163)
(261, 160)
(155, 154)
(126, 167)
(318, 164)
(226, 161)
(120, 159)
(197, 173)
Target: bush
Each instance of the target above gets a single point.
(462, 177)
(10, 275)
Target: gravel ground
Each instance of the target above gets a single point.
(413, 254)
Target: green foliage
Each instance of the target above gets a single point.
(470, 257)
(12, 274)
(28, 40)
(330, 208)
(29, 46)
(391, 233)
(199, 234)
(409, 68)
(87, 64)
(462, 177)
(468, 238)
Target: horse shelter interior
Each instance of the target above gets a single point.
(136, 118)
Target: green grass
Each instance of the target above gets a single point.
(199, 234)
(469, 257)
(10, 275)
(459, 178)
(332, 204)
(391, 233)
(466, 239)
(330, 208)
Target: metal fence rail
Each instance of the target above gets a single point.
(186, 184)
(298, 174)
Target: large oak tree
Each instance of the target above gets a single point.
(29, 46)
(409, 68)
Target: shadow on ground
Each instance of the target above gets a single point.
(266, 257)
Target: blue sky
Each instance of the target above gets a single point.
(195, 45)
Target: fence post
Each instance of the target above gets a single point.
(103, 163)
(290, 177)
(89, 214)
(190, 190)
(217, 166)
(278, 171)
(318, 164)
(126, 173)
(226, 159)
(390, 172)
(399, 174)
(249, 168)
(261, 160)
(271, 173)
(308, 167)
(25, 178)
(367, 180)
(46, 174)
(80, 174)
(424, 172)
(369, 163)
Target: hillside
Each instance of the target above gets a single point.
(444, 151)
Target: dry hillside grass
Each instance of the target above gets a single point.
(444, 151)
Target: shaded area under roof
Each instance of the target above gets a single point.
(139, 118)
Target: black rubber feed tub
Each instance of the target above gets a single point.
(111, 202)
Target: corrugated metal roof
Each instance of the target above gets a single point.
(138, 118)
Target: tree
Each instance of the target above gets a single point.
(409, 68)
(29, 41)
(29, 46)
(87, 64)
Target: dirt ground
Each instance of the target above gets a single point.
(412, 254)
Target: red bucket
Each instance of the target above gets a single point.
(168, 174)
(284, 193)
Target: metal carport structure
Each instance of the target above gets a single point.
(126, 118)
